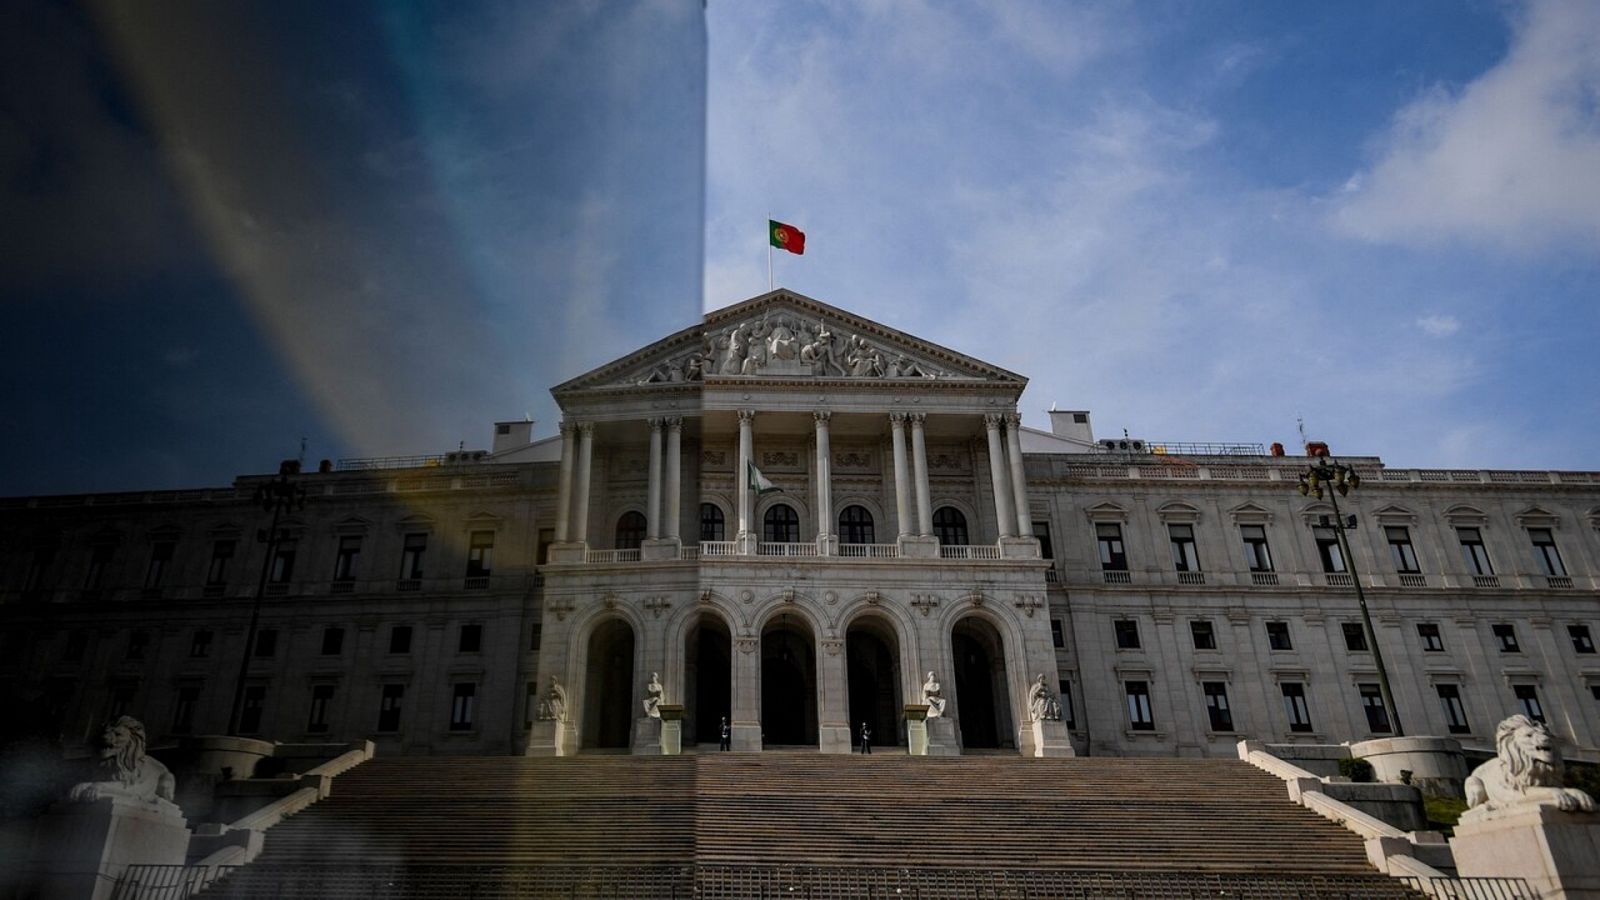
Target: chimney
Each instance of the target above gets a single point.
(511, 435)
(1072, 424)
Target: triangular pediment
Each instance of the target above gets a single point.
(784, 335)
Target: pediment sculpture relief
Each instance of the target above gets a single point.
(785, 344)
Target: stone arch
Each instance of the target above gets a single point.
(764, 509)
(875, 674)
(1009, 691)
(629, 529)
(701, 661)
(723, 520)
(904, 627)
(610, 669)
(855, 524)
(789, 683)
(609, 607)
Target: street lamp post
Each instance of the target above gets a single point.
(277, 496)
(1336, 480)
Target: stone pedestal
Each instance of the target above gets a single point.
(1048, 737)
(570, 552)
(81, 849)
(1557, 852)
(1436, 765)
(1019, 548)
(549, 737)
(916, 547)
(646, 737)
(835, 739)
(942, 737)
(671, 728)
(659, 549)
(916, 729)
(745, 736)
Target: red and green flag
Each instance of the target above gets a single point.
(786, 237)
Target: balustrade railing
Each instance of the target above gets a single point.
(719, 548)
(780, 548)
(869, 551)
(611, 556)
(969, 551)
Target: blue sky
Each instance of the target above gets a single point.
(382, 225)
(1198, 220)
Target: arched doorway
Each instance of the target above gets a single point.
(707, 679)
(788, 683)
(608, 687)
(982, 701)
(872, 672)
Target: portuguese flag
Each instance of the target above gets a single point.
(786, 237)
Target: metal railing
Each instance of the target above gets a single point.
(723, 882)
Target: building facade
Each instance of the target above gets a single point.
(790, 517)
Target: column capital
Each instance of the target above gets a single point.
(674, 423)
(992, 421)
(747, 415)
(1013, 419)
(568, 427)
(656, 422)
(821, 416)
(917, 418)
(897, 419)
(586, 428)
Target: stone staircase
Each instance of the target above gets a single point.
(719, 825)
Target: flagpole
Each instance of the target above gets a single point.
(770, 285)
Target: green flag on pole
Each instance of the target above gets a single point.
(759, 482)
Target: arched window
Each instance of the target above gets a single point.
(630, 531)
(781, 525)
(950, 525)
(712, 525)
(855, 525)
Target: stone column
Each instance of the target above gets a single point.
(674, 514)
(580, 513)
(746, 454)
(564, 492)
(824, 480)
(1019, 484)
(745, 722)
(902, 484)
(919, 470)
(1003, 512)
(652, 510)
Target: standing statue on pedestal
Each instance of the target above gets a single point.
(931, 697)
(652, 696)
(131, 773)
(1042, 703)
(554, 705)
(1526, 771)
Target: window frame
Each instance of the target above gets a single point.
(1125, 633)
(1113, 549)
(1219, 712)
(1296, 708)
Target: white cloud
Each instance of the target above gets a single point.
(1509, 160)
(1439, 325)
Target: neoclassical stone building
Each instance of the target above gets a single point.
(792, 516)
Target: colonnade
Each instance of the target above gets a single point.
(911, 487)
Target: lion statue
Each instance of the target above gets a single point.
(132, 774)
(1526, 771)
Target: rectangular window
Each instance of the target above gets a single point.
(1455, 712)
(1400, 549)
(547, 536)
(321, 696)
(160, 559)
(1355, 637)
(1294, 706)
(1582, 642)
(267, 642)
(99, 558)
(389, 707)
(1377, 713)
(1278, 636)
(200, 644)
(400, 639)
(138, 643)
(1113, 557)
(183, 708)
(1065, 687)
(1184, 558)
(1506, 634)
(1472, 550)
(282, 562)
(1217, 708)
(1432, 641)
(344, 564)
(1139, 717)
(471, 639)
(1204, 636)
(1544, 550)
(1256, 552)
(535, 635)
(466, 696)
(1528, 699)
(1328, 550)
(1127, 631)
(332, 641)
(255, 697)
(1041, 531)
(1058, 638)
(221, 558)
(480, 554)
(411, 556)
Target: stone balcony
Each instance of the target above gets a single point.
(921, 549)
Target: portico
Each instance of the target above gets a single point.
(895, 505)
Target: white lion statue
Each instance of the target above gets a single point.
(1526, 771)
(132, 774)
